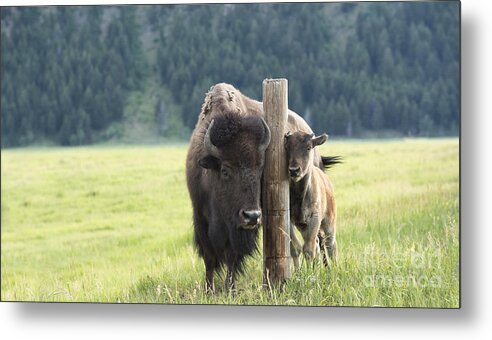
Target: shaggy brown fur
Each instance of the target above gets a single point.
(224, 182)
(312, 200)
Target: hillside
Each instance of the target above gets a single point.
(138, 74)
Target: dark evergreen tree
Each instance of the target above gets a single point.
(67, 71)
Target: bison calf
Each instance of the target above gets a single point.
(312, 201)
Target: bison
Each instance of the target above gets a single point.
(312, 200)
(224, 180)
(224, 166)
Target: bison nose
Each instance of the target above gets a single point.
(251, 217)
(294, 171)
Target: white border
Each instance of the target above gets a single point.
(87, 321)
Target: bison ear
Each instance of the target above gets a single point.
(286, 138)
(210, 162)
(319, 140)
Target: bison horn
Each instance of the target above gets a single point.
(266, 138)
(209, 146)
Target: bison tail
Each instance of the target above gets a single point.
(329, 161)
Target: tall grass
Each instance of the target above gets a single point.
(113, 224)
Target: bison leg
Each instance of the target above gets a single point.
(323, 250)
(230, 280)
(209, 277)
(329, 243)
(332, 248)
(232, 261)
(295, 246)
(310, 235)
(206, 251)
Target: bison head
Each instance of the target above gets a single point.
(235, 157)
(300, 152)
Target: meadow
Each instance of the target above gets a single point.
(114, 224)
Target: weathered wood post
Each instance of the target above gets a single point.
(276, 216)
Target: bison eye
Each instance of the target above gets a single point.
(224, 173)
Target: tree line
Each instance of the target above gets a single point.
(353, 68)
(64, 73)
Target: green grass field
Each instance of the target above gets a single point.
(113, 224)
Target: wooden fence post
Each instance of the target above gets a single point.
(276, 216)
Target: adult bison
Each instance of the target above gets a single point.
(223, 168)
